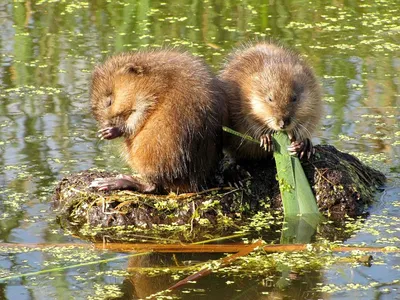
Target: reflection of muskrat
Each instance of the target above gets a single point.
(168, 107)
(270, 88)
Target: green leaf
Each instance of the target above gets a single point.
(241, 135)
(300, 229)
(296, 193)
(297, 196)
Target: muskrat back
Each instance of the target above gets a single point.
(166, 104)
(270, 88)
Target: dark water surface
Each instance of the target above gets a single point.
(47, 51)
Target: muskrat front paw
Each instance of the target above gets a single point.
(266, 142)
(110, 133)
(301, 148)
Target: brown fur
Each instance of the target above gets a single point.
(168, 106)
(251, 76)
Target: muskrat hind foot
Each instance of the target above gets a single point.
(266, 142)
(122, 182)
(302, 148)
(110, 133)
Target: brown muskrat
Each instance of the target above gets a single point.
(270, 88)
(168, 107)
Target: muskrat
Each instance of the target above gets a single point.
(168, 106)
(270, 88)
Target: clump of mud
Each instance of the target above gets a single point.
(342, 185)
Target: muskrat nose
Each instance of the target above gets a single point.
(284, 122)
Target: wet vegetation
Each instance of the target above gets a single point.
(47, 51)
(343, 187)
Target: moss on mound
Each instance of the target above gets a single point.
(341, 183)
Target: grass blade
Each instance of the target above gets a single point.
(300, 229)
(297, 196)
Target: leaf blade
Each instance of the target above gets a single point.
(296, 193)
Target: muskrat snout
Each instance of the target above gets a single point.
(284, 123)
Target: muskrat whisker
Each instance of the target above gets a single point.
(270, 120)
(305, 130)
(250, 132)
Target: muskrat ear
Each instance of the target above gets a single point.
(298, 69)
(134, 69)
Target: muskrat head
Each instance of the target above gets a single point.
(280, 96)
(121, 95)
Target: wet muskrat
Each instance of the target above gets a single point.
(168, 107)
(270, 88)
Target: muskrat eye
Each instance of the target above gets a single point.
(294, 98)
(109, 101)
(269, 98)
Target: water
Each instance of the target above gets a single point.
(47, 51)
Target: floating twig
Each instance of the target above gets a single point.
(196, 248)
(221, 262)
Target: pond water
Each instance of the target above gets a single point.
(47, 51)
